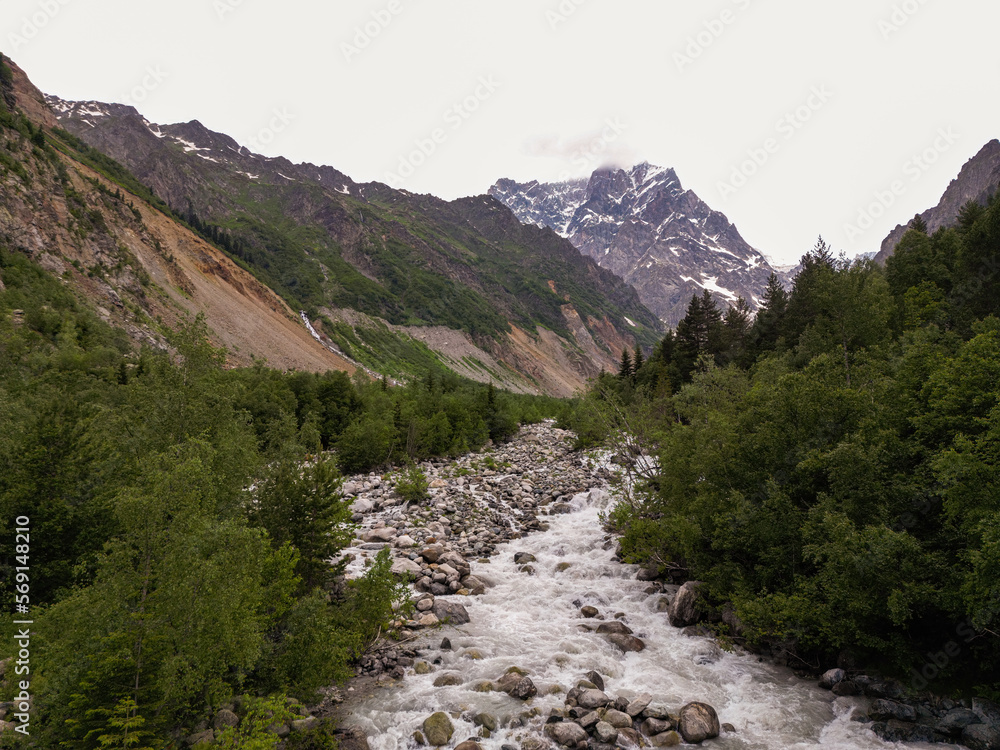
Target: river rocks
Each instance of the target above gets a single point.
(595, 678)
(438, 729)
(589, 719)
(489, 721)
(385, 534)
(903, 731)
(845, 688)
(831, 677)
(617, 719)
(884, 710)
(626, 643)
(402, 566)
(567, 733)
(447, 679)
(523, 689)
(451, 612)
(667, 739)
(468, 745)
(605, 732)
(955, 720)
(698, 722)
(981, 737)
(614, 627)
(431, 553)
(684, 609)
(523, 558)
(652, 727)
(593, 699)
(638, 705)
(589, 612)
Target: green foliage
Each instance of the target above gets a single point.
(320, 736)
(107, 167)
(838, 480)
(304, 507)
(252, 732)
(412, 484)
(126, 728)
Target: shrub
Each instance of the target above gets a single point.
(412, 485)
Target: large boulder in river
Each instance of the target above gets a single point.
(523, 689)
(832, 677)
(626, 643)
(438, 729)
(384, 534)
(567, 733)
(698, 722)
(606, 628)
(685, 609)
(593, 699)
(402, 566)
(451, 612)
(981, 737)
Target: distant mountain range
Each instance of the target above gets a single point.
(978, 181)
(645, 227)
(352, 275)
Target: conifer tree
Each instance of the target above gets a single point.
(767, 326)
(625, 368)
(917, 224)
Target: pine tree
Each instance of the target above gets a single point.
(736, 331)
(638, 360)
(805, 301)
(625, 369)
(765, 334)
(917, 224)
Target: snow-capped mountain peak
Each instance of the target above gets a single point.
(644, 226)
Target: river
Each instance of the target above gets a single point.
(533, 622)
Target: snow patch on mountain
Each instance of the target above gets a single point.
(644, 226)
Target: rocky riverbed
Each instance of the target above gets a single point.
(528, 633)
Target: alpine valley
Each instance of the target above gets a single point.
(303, 267)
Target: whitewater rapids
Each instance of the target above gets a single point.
(533, 622)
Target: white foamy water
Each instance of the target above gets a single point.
(533, 622)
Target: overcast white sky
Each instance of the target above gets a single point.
(838, 101)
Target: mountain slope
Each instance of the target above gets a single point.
(642, 225)
(977, 181)
(140, 268)
(326, 243)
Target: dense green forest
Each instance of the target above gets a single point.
(832, 467)
(179, 512)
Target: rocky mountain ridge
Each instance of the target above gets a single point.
(977, 181)
(644, 226)
(549, 317)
